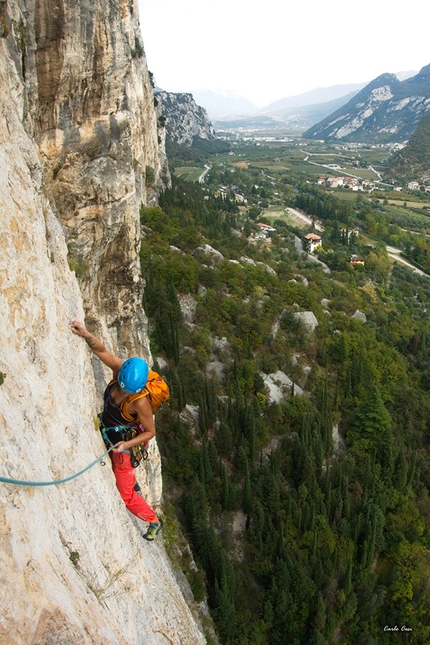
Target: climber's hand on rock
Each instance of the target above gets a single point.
(77, 327)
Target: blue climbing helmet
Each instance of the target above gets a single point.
(133, 375)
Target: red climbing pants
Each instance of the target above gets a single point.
(125, 482)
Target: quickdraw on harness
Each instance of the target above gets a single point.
(125, 433)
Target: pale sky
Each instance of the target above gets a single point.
(271, 49)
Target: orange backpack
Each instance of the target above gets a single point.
(156, 389)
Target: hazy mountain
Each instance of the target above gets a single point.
(304, 116)
(413, 161)
(386, 110)
(402, 76)
(313, 97)
(220, 104)
(294, 119)
(256, 122)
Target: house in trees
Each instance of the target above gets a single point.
(311, 241)
(356, 261)
(240, 198)
(367, 184)
(266, 229)
(414, 185)
(336, 181)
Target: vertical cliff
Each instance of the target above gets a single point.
(85, 96)
(77, 134)
(184, 119)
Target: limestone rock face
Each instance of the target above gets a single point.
(79, 78)
(184, 119)
(73, 566)
(72, 562)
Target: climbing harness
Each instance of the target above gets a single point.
(125, 432)
(19, 482)
(157, 391)
(137, 453)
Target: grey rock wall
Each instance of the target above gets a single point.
(74, 568)
(81, 85)
(184, 119)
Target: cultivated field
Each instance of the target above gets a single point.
(189, 173)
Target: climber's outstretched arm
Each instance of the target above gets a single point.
(96, 346)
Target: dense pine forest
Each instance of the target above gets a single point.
(307, 513)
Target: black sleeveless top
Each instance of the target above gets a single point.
(112, 417)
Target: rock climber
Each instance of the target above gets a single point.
(129, 377)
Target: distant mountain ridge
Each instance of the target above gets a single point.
(313, 97)
(386, 110)
(300, 117)
(295, 119)
(226, 105)
(184, 119)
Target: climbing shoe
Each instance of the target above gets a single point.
(153, 530)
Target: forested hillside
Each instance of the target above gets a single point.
(295, 457)
(413, 161)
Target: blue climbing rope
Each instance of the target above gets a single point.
(19, 482)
